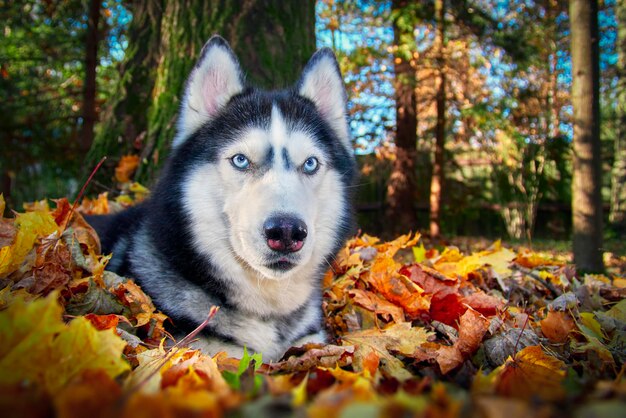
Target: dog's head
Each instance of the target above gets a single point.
(265, 176)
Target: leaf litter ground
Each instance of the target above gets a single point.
(416, 331)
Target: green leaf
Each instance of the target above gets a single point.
(248, 365)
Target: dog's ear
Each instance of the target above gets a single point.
(214, 80)
(321, 82)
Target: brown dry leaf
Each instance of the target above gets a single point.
(472, 328)
(8, 231)
(531, 373)
(311, 356)
(398, 338)
(140, 304)
(557, 326)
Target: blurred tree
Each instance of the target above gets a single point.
(272, 38)
(42, 90)
(617, 215)
(526, 166)
(436, 182)
(401, 186)
(587, 174)
(92, 36)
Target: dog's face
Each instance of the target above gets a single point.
(267, 187)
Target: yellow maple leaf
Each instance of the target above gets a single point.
(30, 227)
(531, 373)
(37, 346)
(498, 260)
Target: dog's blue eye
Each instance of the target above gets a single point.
(240, 161)
(311, 165)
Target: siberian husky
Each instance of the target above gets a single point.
(251, 206)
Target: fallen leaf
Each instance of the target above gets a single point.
(396, 287)
(38, 346)
(531, 373)
(472, 328)
(30, 227)
(126, 167)
(377, 304)
(556, 326)
(399, 338)
(313, 355)
(504, 344)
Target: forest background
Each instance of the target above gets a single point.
(463, 113)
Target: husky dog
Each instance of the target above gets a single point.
(250, 208)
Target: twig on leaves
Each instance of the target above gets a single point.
(170, 353)
(555, 292)
(80, 194)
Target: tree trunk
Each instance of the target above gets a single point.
(617, 215)
(272, 38)
(586, 182)
(400, 213)
(553, 102)
(436, 183)
(91, 64)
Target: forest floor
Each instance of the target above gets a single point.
(468, 327)
(614, 249)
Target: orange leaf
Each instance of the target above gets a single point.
(531, 260)
(98, 206)
(378, 305)
(557, 326)
(531, 373)
(472, 328)
(125, 168)
(397, 288)
(102, 322)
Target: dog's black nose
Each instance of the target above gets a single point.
(285, 233)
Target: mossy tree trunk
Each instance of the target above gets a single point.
(272, 38)
(587, 174)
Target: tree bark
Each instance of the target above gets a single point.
(436, 183)
(91, 65)
(272, 38)
(586, 182)
(617, 215)
(400, 214)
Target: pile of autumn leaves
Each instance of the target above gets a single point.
(424, 332)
